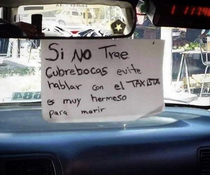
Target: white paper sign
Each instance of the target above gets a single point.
(101, 80)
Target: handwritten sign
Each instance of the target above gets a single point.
(101, 80)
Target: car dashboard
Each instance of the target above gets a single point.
(175, 141)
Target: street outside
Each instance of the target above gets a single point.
(19, 74)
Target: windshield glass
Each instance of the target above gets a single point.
(185, 63)
(20, 70)
(186, 60)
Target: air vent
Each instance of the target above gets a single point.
(205, 161)
(30, 167)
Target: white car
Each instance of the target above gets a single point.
(68, 17)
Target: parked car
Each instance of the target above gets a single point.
(68, 17)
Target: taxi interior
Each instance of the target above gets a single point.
(176, 141)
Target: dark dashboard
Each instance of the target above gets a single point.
(173, 142)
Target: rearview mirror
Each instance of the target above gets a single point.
(117, 19)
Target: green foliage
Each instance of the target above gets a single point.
(17, 71)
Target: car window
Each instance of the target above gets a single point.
(187, 61)
(1, 12)
(75, 13)
(67, 13)
(49, 14)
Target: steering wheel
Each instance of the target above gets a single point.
(8, 30)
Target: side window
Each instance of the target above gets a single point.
(1, 12)
(67, 13)
(75, 14)
(3, 42)
(49, 14)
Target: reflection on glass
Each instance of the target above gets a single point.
(72, 19)
(145, 29)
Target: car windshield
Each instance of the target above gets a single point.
(186, 55)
